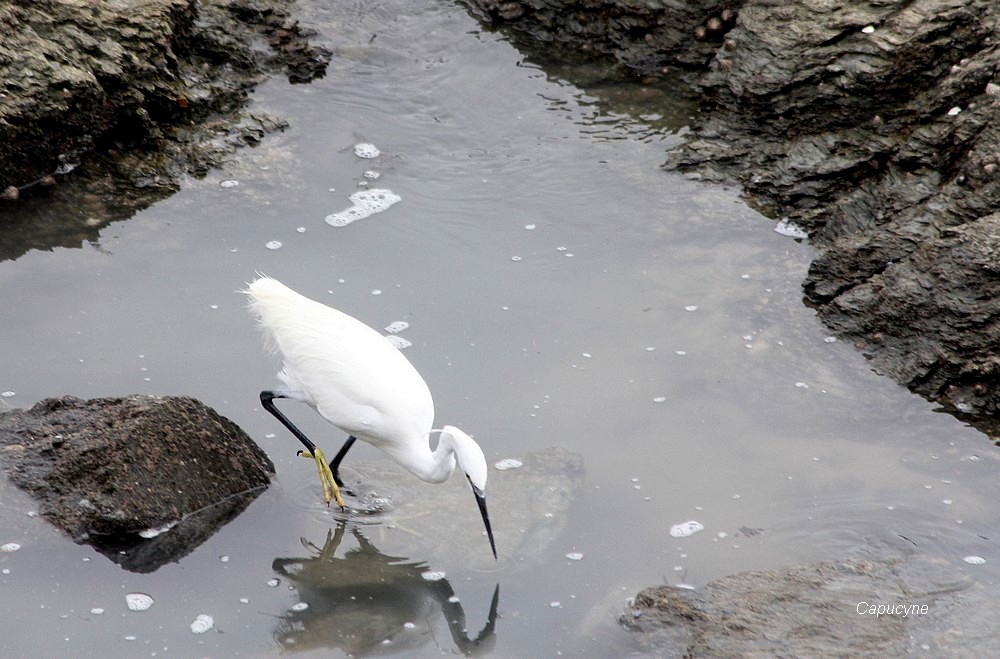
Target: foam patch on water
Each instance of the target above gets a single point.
(686, 529)
(398, 341)
(397, 327)
(10, 547)
(202, 624)
(432, 575)
(366, 150)
(790, 229)
(138, 601)
(508, 463)
(152, 533)
(366, 203)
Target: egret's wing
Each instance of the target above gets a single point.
(353, 376)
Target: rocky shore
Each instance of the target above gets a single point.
(142, 93)
(872, 126)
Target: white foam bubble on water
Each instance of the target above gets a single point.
(273, 244)
(508, 463)
(8, 394)
(574, 556)
(159, 530)
(365, 203)
(974, 560)
(686, 529)
(396, 327)
(202, 624)
(300, 606)
(790, 229)
(229, 183)
(366, 150)
(10, 547)
(138, 601)
(398, 341)
(97, 611)
(409, 625)
(432, 575)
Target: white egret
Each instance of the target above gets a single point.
(362, 384)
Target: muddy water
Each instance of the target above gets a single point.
(636, 339)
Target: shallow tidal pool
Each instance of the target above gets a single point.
(628, 346)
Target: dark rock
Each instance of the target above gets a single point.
(122, 100)
(876, 129)
(936, 311)
(643, 35)
(106, 469)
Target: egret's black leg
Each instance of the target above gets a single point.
(335, 463)
(330, 486)
(267, 400)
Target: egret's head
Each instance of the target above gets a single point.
(472, 461)
(470, 457)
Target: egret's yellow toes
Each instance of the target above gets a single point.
(325, 476)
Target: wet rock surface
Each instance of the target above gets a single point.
(873, 126)
(106, 105)
(824, 609)
(105, 470)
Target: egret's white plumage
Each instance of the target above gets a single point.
(362, 384)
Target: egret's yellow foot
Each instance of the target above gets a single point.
(325, 476)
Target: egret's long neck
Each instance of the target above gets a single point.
(432, 466)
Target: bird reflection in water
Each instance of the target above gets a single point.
(367, 603)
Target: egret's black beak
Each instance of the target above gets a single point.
(481, 500)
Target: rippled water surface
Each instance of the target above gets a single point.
(635, 339)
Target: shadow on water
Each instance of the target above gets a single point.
(623, 103)
(73, 211)
(144, 554)
(366, 602)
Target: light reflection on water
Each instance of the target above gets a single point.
(761, 422)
